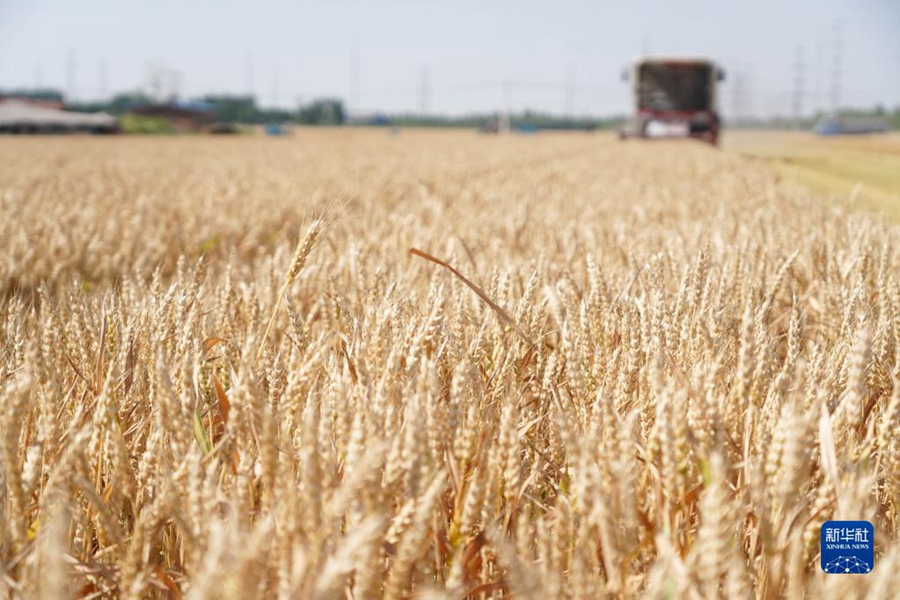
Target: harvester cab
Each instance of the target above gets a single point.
(674, 97)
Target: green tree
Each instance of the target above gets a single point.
(235, 109)
(327, 111)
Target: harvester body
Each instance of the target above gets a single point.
(674, 97)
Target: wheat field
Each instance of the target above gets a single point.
(606, 370)
(862, 168)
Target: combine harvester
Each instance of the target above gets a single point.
(674, 98)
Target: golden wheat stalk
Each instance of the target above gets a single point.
(301, 254)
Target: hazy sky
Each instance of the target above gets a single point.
(283, 51)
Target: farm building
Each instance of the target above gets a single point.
(17, 116)
(41, 98)
(181, 116)
(843, 125)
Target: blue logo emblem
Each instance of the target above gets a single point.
(847, 547)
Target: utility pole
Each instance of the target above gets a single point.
(101, 75)
(175, 83)
(70, 73)
(162, 83)
(748, 92)
(248, 74)
(797, 100)
(274, 93)
(737, 100)
(505, 117)
(424, 91)
(570, 92)
(820, 77)
(354, 76)
(837, 58)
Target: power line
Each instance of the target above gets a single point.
(749, 92)
(820, 78)
(354, 75)
(70, 73)
(274, 94)
(499, 93)
(248, 74)
(102, 77)
(507, 101)
(737, 99)
(837, 58)
(424, 91)
(797, 100)
(556, 88)
(175, 83)
(570, 91)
